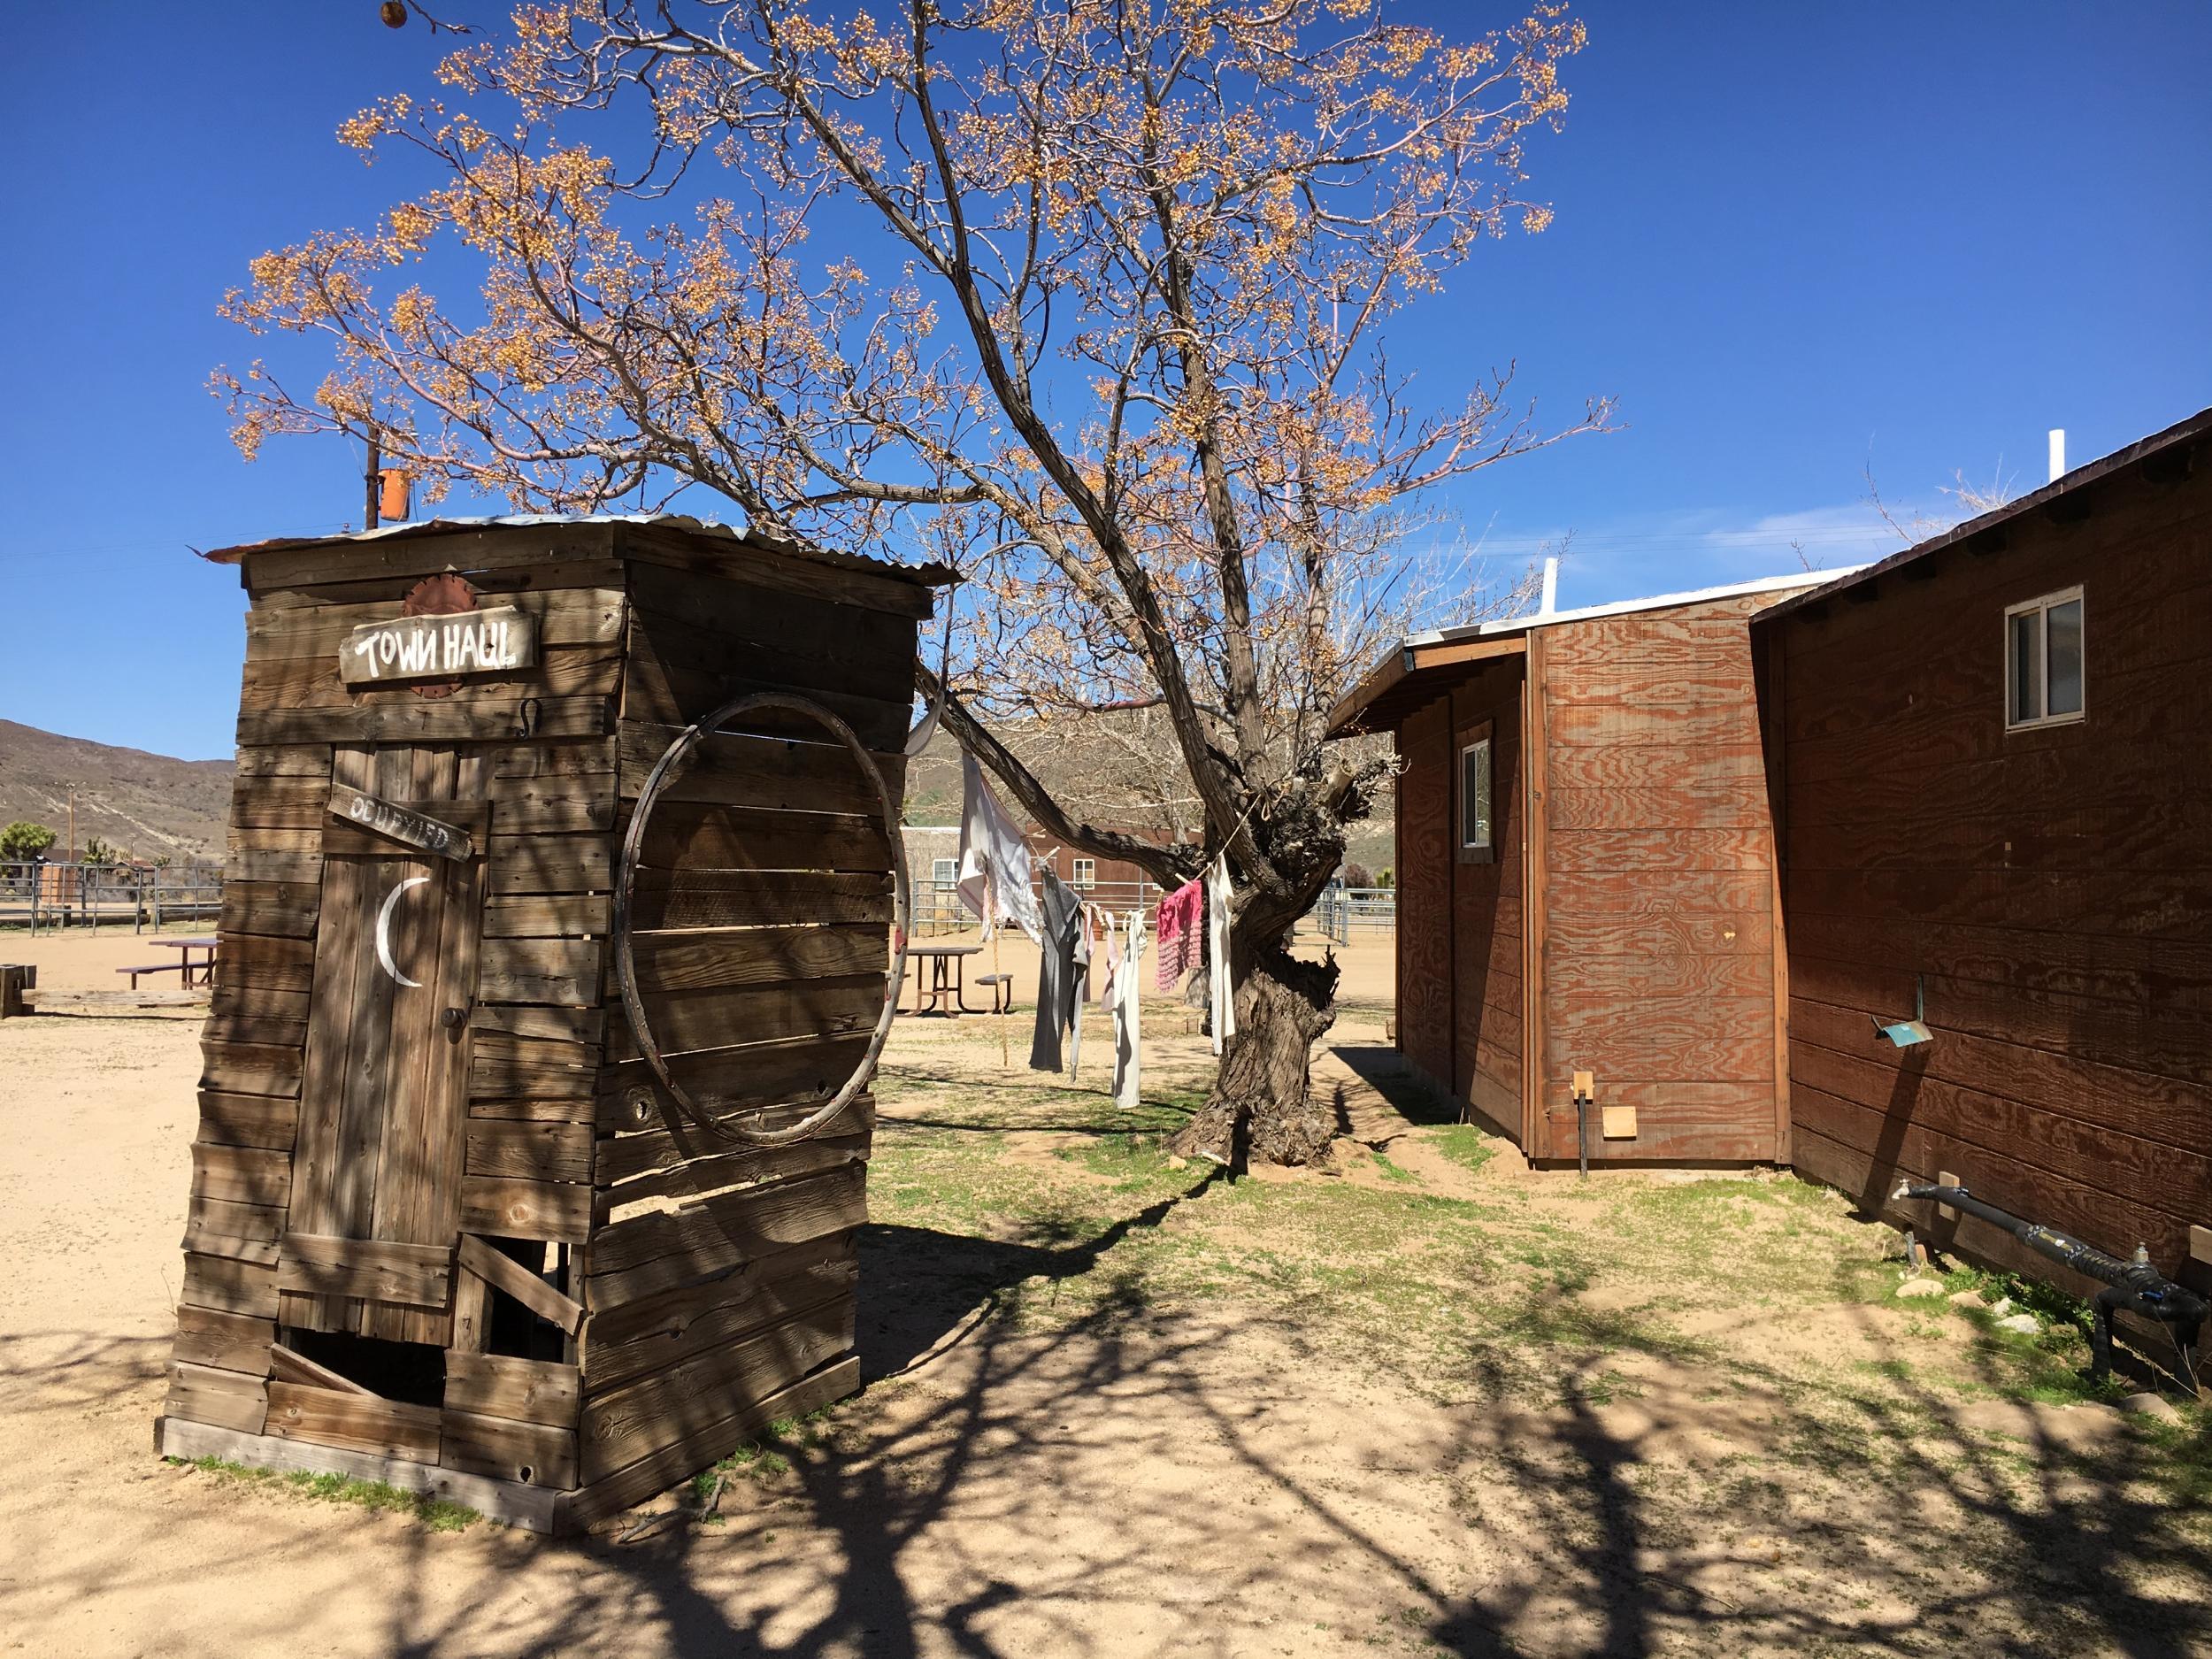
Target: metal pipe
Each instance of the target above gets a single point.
(2135, 1286)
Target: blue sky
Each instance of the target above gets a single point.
(1787, 240)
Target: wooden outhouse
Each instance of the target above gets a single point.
(1585, 877)
(447, 1227)
(1991, 757)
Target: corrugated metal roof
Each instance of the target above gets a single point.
(1387, 675)
(928, 575)
(2181, 432)
(1627, 607)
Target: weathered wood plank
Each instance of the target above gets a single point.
(684, 1021)
(557, 971)
(671, 899)
(507, 1067)
(697, 960)
(573, 616)
(375, 1269)
(624, 1157)
(242, 1175)
(547, 916)
(353, 1421)
(531, 1151)
(282, 908)
(511, 1208)
(243, 1233)
(584, 1026)
(419, 721)
(503, 1272)
(702, 1446)
(651, 1336)
(628, 1424)
(248, 1120)
(769, 1074)
(228, 1342)
(231, 1068)
(230, 1286)
(523, 1390)
(270, 964)
(220, 1399)
(552, 863)
(529, 1454)
(500, 1501)
(687, 835)
(647, 1252)
(734, 769)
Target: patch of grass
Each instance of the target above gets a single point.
(1465, 1145)
(440, 1515)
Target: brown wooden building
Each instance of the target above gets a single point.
(1992, 765)
(1586, 876)
(447, 1228)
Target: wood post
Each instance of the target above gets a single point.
(15, 979)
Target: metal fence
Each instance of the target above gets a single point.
(938, 909)
(49, 895)
(1339, 913)
(1342, 910)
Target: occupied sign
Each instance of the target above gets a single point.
(494, 641)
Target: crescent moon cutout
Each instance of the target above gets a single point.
(384, 932)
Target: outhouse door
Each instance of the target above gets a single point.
(375, 1203)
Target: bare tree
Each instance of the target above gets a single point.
(1122, 356)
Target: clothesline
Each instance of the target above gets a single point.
(998, 881)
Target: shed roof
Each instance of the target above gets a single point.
(1412, 674)
(2178, 435)
(921, 575)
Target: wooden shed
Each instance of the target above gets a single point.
(1991, 757)
(1586, 876)
(449, 1228)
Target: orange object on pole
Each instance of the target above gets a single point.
(392, 491)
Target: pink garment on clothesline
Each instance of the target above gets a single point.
(1180, 913)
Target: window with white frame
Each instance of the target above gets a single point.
(1474, 797)
(943, 872)
(2043, 660)
(1086, 873)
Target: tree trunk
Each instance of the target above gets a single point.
(1262, 1108)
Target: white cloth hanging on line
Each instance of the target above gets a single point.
(1128, 980)
(1218, 980)
(996, 873)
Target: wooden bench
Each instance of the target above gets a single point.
(153, 967)
(1002, 991)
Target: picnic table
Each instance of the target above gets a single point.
(947, 965)
(184, 968)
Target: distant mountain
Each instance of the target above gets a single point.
(143, 805)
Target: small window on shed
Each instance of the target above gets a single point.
(943, 872)
(1474, 797)
(2043, 660)
(1086, 873)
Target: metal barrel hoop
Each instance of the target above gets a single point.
(626, 886)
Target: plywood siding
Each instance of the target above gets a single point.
(1657, 887)
(2051, 888)
(1488, 1015)
(1425, 893)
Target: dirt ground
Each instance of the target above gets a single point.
(1434, 1402)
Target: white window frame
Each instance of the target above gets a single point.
(2041, 606)
(943, 872)
(1083, 873)
(1488, 843)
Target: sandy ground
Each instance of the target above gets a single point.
(1137, 1476)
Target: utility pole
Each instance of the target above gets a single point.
(376, 465)
(72, 823)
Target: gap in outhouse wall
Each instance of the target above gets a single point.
(412, 1373)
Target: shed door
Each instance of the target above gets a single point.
(384, 1091)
